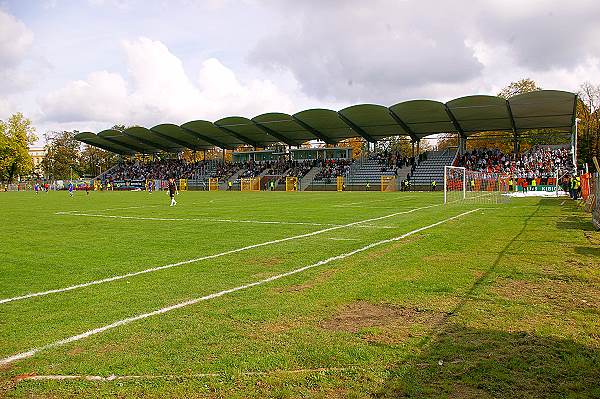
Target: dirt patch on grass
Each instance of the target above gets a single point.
(382, 323)
(318, 279)
(270, 261)
(593, 238)
(461, 391)
(75, 351)
(386, 249)
(562, 294)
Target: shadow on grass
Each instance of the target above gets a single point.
(588, 251)
(495, 364)
(487, 363)
(576, 223)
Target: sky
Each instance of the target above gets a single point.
(87, 65)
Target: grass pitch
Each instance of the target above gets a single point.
(501, 302)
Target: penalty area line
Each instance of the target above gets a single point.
(185, 262)
(89, 333)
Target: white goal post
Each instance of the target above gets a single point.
(455, 180)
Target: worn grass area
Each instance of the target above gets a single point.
(499, 303)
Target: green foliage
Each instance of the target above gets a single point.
(16, 135)
(588, 111)
(519, 87)
(92, 160)
(62, 159)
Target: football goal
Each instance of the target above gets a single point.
(291, 183)
(388, 183)
(213, 184)
(462, 185)
(250, 184)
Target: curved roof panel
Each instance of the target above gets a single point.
(209, 132)
(544, 109)
(372, 121)
(424, 117)
(176, 134)
(96, 141)
(286, 126)
(121, 138)
(481, 113)
(327, 122)
(148, 137)
(248, 131)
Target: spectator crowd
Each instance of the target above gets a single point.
(539, 162)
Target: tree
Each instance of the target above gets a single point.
(93, 160)
(519, 87)
(588, 132)
(62, 159)
(356, 143)
(16, 135)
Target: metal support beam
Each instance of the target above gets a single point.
(132, 146)
(214, 142)
(150, 143)
(403, 125)
(514, 128)
(457, 125)
(314, 131)
(239, 136)
(185, 144)
(357, 129)
(273, 133)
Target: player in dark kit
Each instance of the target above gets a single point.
(172, 191)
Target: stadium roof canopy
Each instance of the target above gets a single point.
(550, 110)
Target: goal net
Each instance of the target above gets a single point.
(291, 183)
(388, 183)
(250, 184)
(468, 186)
(339, 183)
(213, 184)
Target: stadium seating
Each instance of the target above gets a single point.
(432, 168)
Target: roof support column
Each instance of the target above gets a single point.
(462, 145)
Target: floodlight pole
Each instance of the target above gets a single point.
(574, 145)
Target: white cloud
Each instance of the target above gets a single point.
(15, 43)
(15, 40)
(159, 91)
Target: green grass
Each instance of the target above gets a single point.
(503, 302)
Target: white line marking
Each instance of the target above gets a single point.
(89, 333)
(108, 209)
(113, 377)
(208, 220)
(185, 262)
(562, 203)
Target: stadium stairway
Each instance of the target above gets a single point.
(432, 168)
(309, 177)
(235, 177)
(368, 170)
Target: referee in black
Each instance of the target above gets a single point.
(172, 191)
